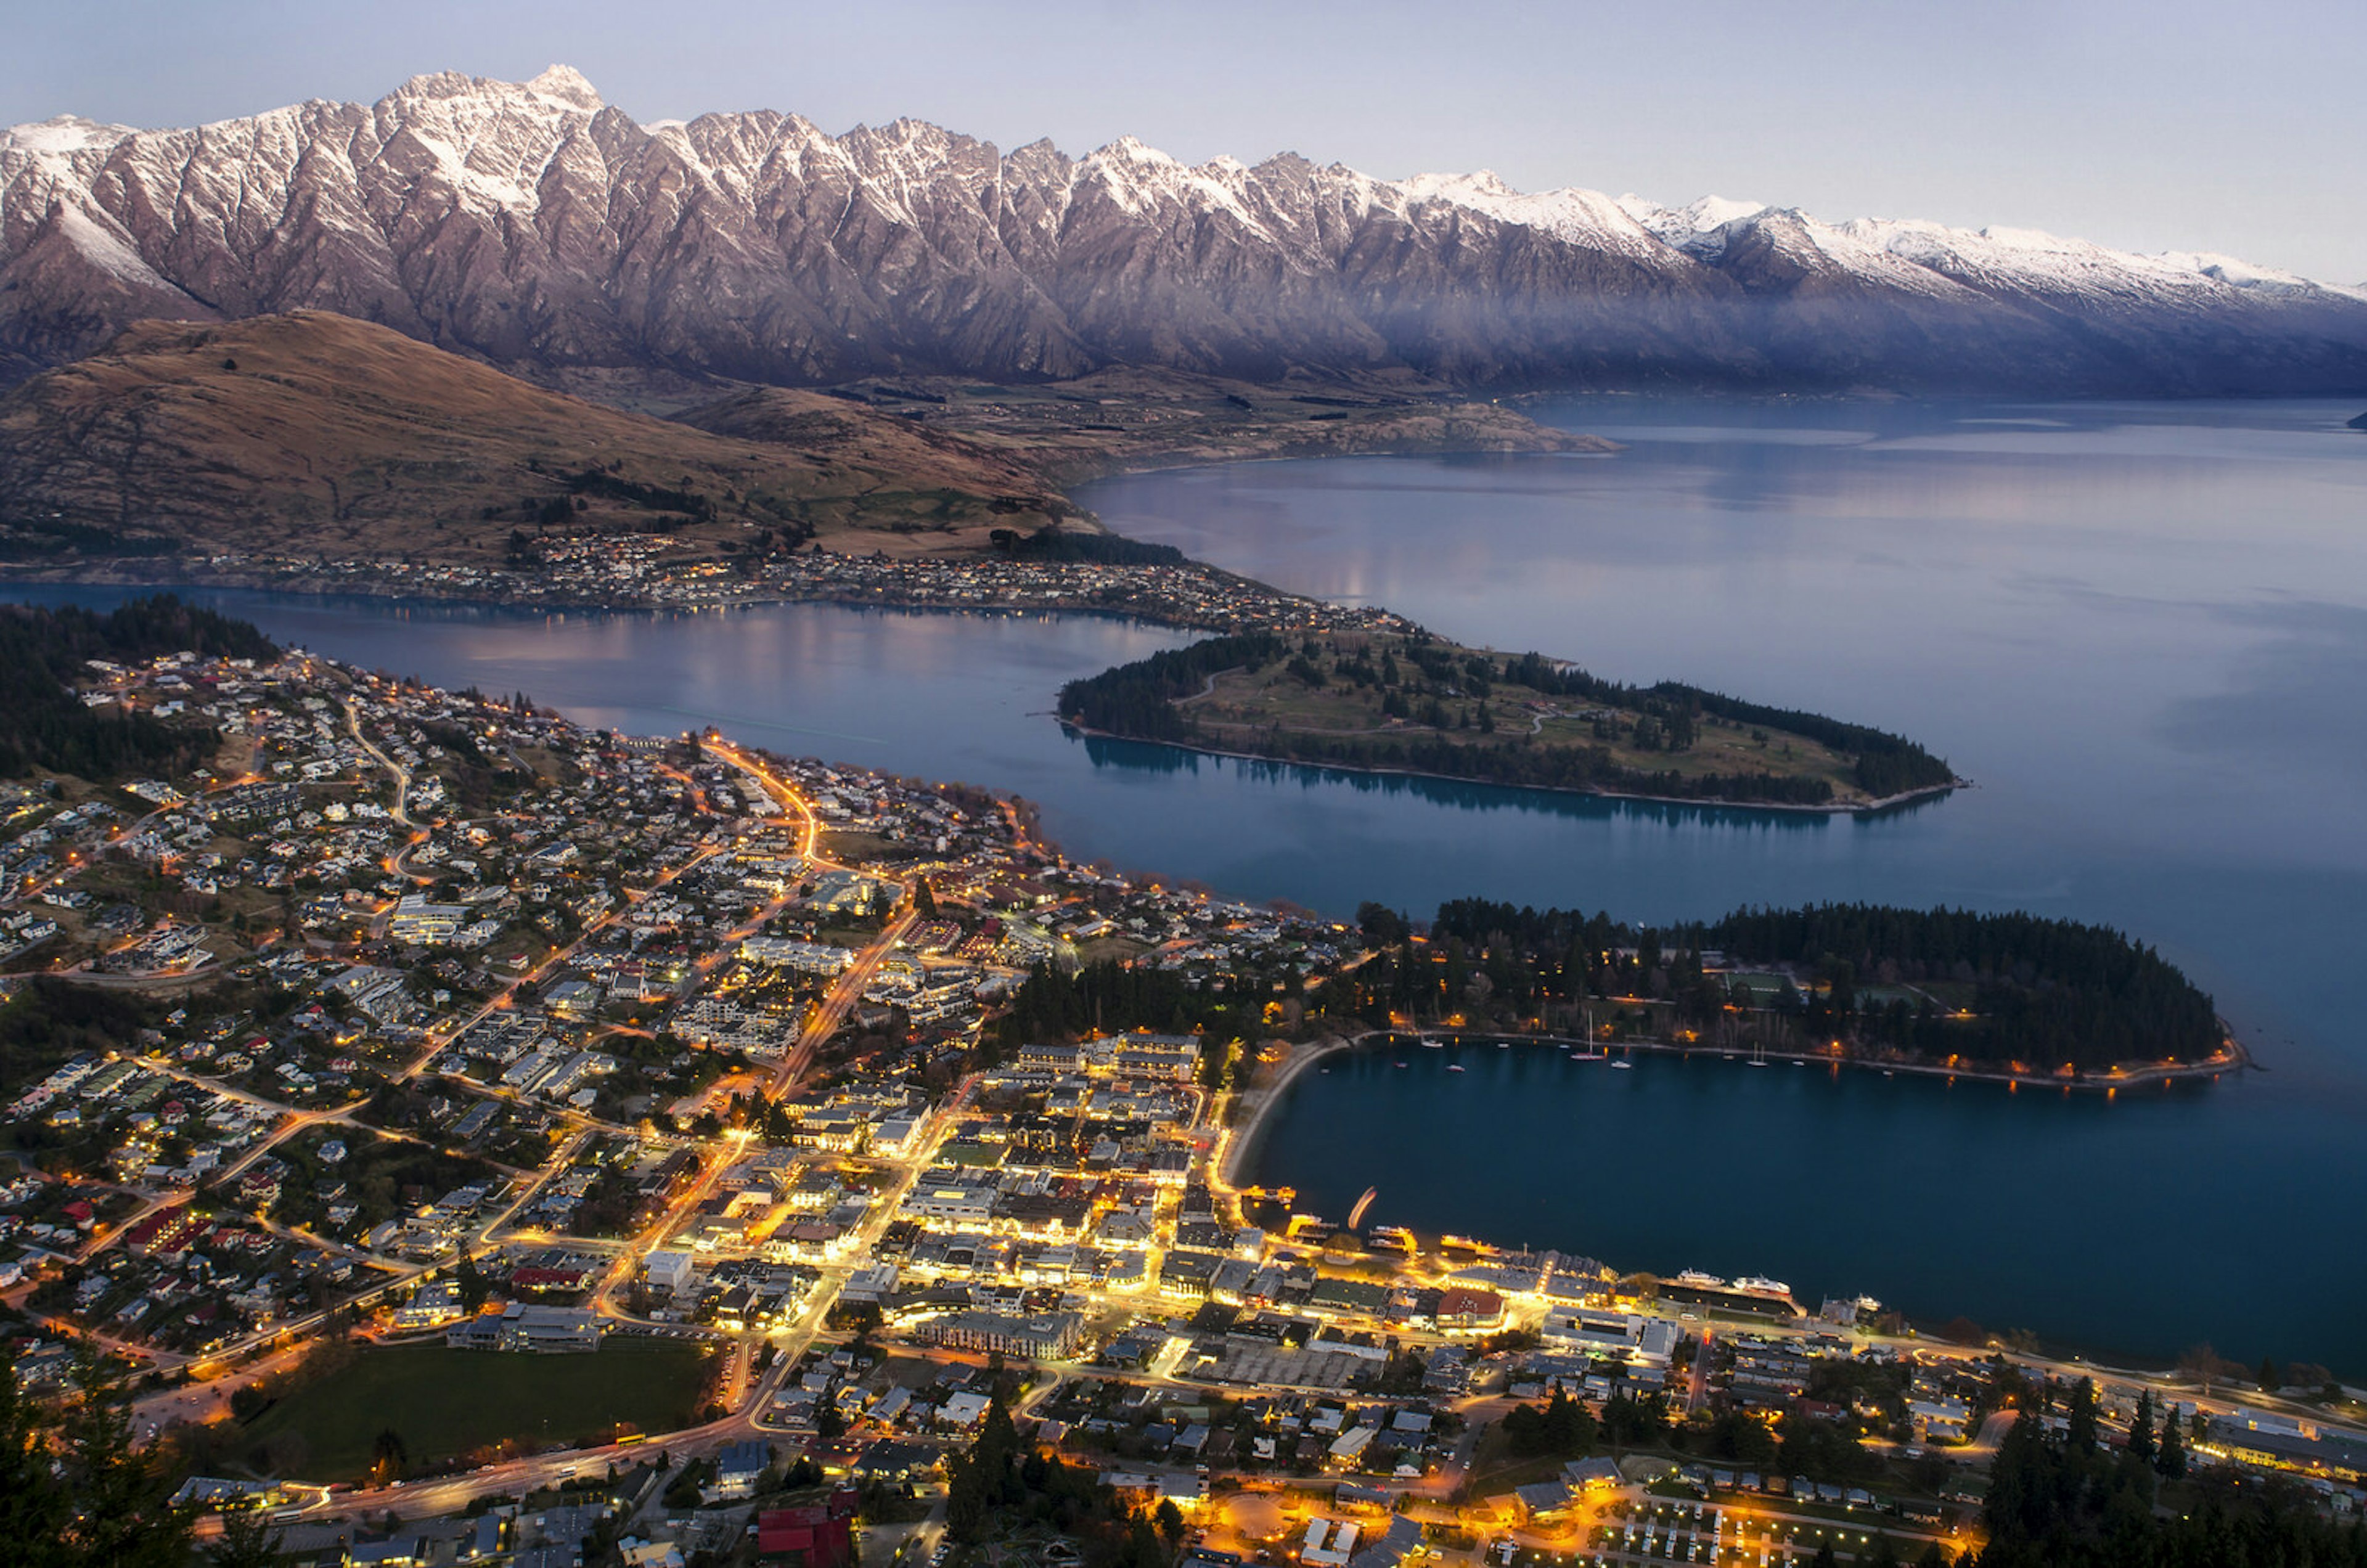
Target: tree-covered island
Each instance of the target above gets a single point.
(1412, 703)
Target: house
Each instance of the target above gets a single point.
(820, 1535)
(1588, 1473)
(1328, 1544)
(1543, 1499)
(1399, 1541)
(963, 1410)
(738, 1466)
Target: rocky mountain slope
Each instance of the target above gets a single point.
(532, 226)
(317, 435)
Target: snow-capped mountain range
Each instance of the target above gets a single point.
(533, 226)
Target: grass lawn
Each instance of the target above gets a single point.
(444, 1403)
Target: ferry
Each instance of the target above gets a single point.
(1701, 1281)
(1758, 1285)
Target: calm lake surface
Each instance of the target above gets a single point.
(2142, 629)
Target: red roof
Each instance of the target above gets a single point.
(820, 1531)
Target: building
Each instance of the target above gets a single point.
(820, 1535)
(1328, 1544)
(806, 957)
(432, 1307)
(2273, 1442)
(422, 924)
(667, 1270)
(1625, 1336)
(1038, 1336)
(739, 1466)
(1464, 1309)
(538, 1329)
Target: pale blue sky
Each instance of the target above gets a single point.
(2154, 124)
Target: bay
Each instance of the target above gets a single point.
(2142, 631)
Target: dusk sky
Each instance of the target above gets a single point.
(2165, 124)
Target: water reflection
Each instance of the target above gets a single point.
(1463, 795)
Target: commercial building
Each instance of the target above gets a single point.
(1047, 1335)
(539, 1329)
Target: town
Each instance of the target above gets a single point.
(651, 571)
(478, 1138)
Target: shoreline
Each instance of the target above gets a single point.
(1242, 1135)
(2232, 1057)
(1838, 808)
(424, 596)
(414, 594)
(1257, 1102)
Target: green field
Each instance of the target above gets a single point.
(443, 1402)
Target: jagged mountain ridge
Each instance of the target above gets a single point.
(533, 226)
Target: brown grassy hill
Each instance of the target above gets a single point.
(313, 433)
(1127, 419)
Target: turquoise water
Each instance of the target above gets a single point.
(2141, 631)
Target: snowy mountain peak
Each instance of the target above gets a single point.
(524, 223)
(1697, 229)
(566, 85)
(61, 136)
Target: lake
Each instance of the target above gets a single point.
(2142, 631)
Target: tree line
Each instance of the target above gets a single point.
(2060, 1496)
(2042, 992)
(1056, 545)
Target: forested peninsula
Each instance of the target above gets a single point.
(1411, 703)
(2016, 994)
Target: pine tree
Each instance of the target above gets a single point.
(2141, 1442)
(244, 1543)
(2171, 1458)
(2081, 1435)
(81, 1496)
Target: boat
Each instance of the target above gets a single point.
(1455, 1067)
(1623, 1065)
(1758, 1285)
(1701, 1281)
(1430, 1044)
